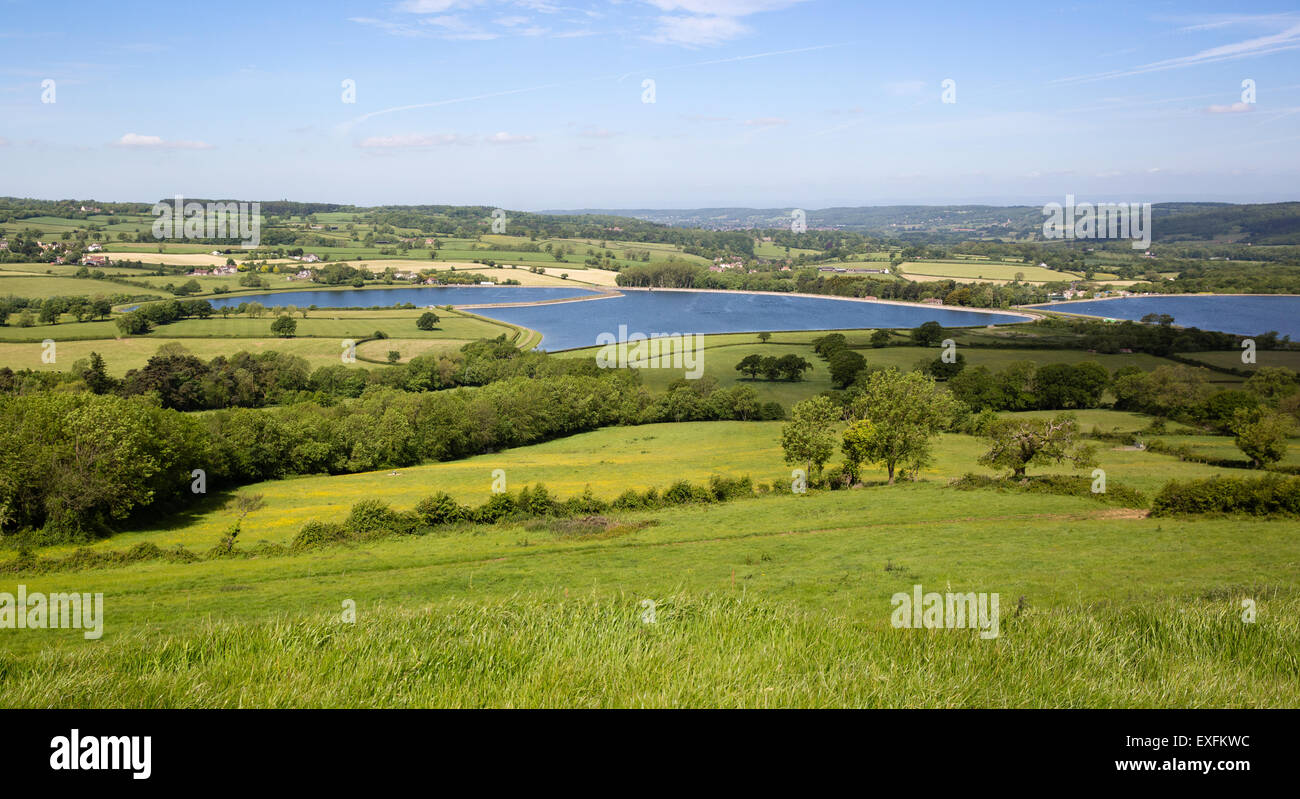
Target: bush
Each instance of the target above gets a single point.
(1260, 496)
(498, 507)
(371, 517)
(722, 488)
(629, 500)
(439, 509)
(682, 492)
(585, 504)
(1059, 484)
(315, 534)
(536, 502)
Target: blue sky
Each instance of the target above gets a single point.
(530, 104)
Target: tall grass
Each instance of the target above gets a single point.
(701, 651)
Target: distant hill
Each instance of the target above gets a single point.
(1263, 223)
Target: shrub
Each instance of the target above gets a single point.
(371, 516)
(1058, 484)
(628, 500)
(682, 492)
(145, 550)
(536, 502)
(315, 534)
(498, 507)
(722, 488)
(439, 509)
(1259, 496)
(585, 504)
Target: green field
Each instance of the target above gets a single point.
(50, 286)
(722, 352)
(318, 338)
(1287, 359)
(774, 601)
(608, 462)
(987, 270)
(767, 249)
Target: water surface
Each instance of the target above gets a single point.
(1245, 314)
(577, 324)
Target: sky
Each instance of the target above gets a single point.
(535, 105)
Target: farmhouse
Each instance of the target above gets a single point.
(95, 260)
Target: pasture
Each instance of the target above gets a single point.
(780, 600)
(983, 270)
(722, 352)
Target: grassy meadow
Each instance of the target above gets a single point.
(776, 601)
(722, 352)
(318, 338)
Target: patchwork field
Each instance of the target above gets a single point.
(986, 270)
(48, 286)
(1286, 359)
(771, 600)
(722, 352)
(318, 338)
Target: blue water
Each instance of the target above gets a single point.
(1247, 315)
(577, 324)
(417, 295)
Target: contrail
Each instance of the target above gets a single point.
(349, 124)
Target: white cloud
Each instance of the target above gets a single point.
(722, 8)
(1282, 41)
(1235, 108)
(433, 6)
(510, 138)
(455, 27)
(905, 88)
(4, 142)
(420, 141)
(707, 22)
(698, 31)
(135, 140)
(766, 122)
(395, 28)
(406, 141)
